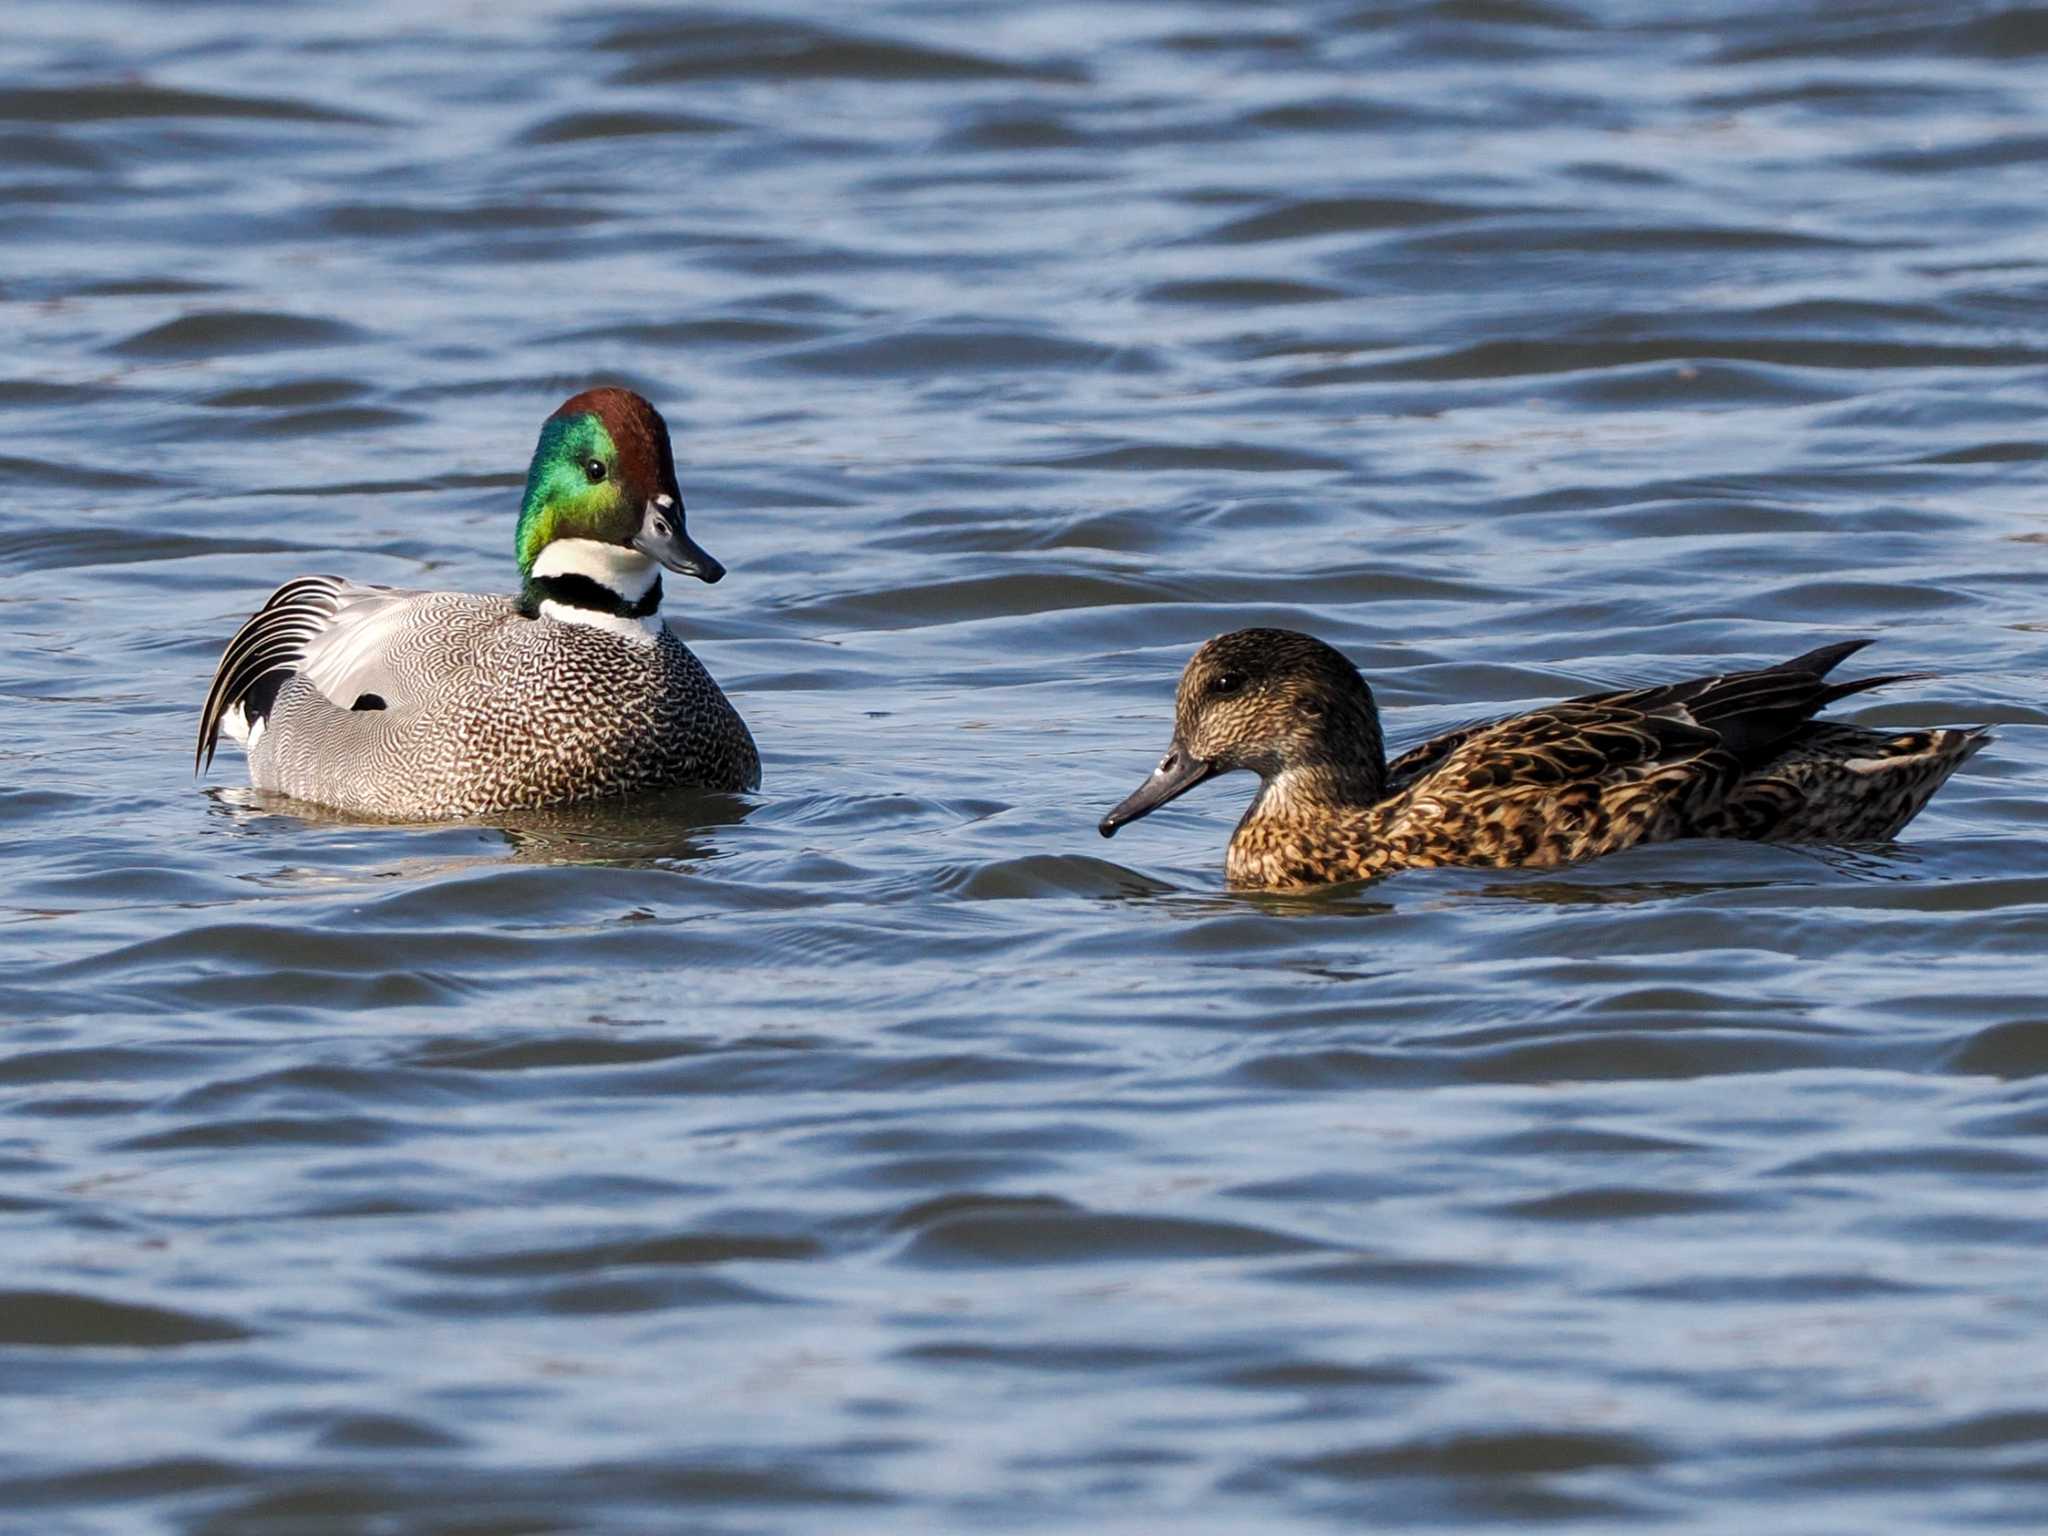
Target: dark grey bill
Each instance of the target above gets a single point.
(661, 537)
(1176, 774)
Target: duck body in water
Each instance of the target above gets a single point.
(1737, 755)
(431, 705)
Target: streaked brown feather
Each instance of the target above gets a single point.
(1732, 755)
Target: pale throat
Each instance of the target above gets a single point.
(624, 571)
(1309, 791)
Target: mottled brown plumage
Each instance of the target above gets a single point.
(1736, 755)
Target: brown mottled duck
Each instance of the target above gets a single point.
(1737, 755)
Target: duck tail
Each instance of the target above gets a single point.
(1835, 691)
(1970, 740)
(265, 651)
(1822, 660)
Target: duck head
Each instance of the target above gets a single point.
(602, 515)
(1275, 702)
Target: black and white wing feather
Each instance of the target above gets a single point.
(337, 635)
(266, 650)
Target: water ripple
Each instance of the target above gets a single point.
(884, 1149)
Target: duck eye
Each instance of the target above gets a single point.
(595, 469)
(1224, 684)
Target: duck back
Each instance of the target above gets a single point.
(453, 705)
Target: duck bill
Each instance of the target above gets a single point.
(662, 539)
(1176, 774)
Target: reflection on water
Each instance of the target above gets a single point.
(872, 1152)
(671, 836)
(660, 830)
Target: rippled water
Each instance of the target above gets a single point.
(885, 1152)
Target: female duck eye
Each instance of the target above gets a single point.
(1223, 684)
(595, 469)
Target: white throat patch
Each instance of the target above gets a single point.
(624, 571)
(646, 631)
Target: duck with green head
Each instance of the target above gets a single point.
(602, 513)
(428, 705)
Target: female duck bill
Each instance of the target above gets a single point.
(1176, 774)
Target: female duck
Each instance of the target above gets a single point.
(427, 705)
(1731, 756)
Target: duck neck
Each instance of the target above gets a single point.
(1310, 791)
(584, 581)
(1310, 825)
(1313, 819)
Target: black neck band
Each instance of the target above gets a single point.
(574, 591)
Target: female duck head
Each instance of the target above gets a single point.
(602, 509)
(1275, 702)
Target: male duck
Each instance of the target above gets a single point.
(426, 705)
(1731, 756)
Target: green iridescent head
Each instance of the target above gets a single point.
(603, 474)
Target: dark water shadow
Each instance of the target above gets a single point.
(659, 829)
(648, 830)
(1593, 883)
